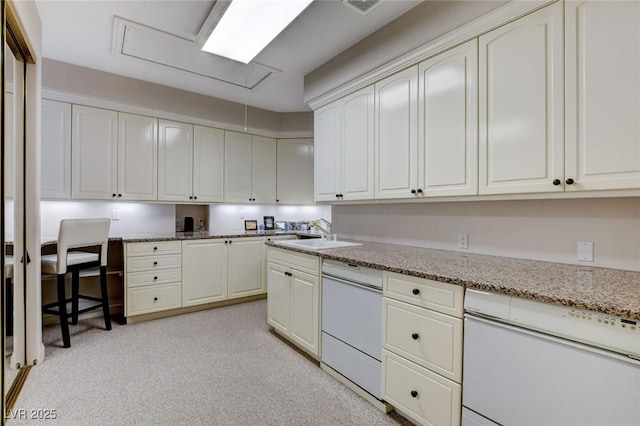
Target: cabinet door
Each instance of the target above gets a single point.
(204, 272)
(305, 312)
(396, 135)
(278, 298)
(521, 105)
(208, 164)
(94, 159)
(56, 150)
(246, 263)
(295, 171)
(175, 158)
(237, 167)
(603, 112)
(448, 122)
(137, 157)
(326, 155)
(358, 145)
(263, 170)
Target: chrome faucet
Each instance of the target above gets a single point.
(317, 224)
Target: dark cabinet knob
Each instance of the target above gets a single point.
(416, 291)
(419, 190)
(569, 181)
(415, 336)
(119, 195)
(113, 195)
(414, 394)
(190, 197)
(155, 248)
(230, 241)
(155, 299)
(288, 274)
(337, 195)
(155, 278)
(277, 201)
(155, 263)
(341, 196)
(195, 197)
(413, 191)
(557, 182)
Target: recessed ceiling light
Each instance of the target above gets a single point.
(248, 26)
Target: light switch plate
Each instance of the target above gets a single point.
(115, 215)
(585, 251)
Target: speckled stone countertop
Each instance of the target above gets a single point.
(200, 235)
(610, 291)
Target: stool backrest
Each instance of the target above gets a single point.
(76, 233)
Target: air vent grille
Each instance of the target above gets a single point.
(362, 6)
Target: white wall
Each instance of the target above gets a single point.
(533, 229)
(230, 218)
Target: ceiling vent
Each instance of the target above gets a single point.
(362, 6)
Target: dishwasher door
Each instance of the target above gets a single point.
(518, 377)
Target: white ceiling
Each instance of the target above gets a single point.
(81, 32)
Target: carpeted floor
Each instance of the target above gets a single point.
(217, 367)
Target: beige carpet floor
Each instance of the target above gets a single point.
(217, 367)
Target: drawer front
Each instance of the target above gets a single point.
(438, 296)
(154, 298)
(420, 394)
(137, 279)
(152, 263)
(428, 338)
(300, 261)
(153, 247)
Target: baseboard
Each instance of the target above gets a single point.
(15, 389)
(380, 405)
(114, 309)
(179, 311)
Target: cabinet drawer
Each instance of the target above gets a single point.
(428, 338)
(152, 263)
(153, 298)
(435, 295)
(437, 400)
(300, 261)
(137, 279)
(153, 247)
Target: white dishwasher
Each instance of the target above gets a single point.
(532, 363)
(352, 323)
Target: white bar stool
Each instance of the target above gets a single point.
(73, 235)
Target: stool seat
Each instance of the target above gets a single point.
(50, 261)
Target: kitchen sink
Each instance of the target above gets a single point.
(318, 244)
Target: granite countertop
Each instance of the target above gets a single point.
(200, 235)
(610, 291)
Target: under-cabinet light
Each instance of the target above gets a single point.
(248, 26)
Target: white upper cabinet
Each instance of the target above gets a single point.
(396, 135)
(521, 113)
(175, 161)
(263, 169)
(237, 167)
(326, 158)
(448, 123)
(249, 168)
(603, 108)
(357, 145)
(94, 159)
(208, 164)
(56, 150)
(294, 180)
(137, 157)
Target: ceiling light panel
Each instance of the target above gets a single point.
(248, 26)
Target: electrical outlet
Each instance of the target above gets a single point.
(585, 251)
(463, 240)
(115, 215)
(241, 214)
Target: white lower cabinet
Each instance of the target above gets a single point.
(293, 297)
(221, 269)
(152, 277)
(422, 348)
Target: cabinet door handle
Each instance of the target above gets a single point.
(113, 195)
(119, 195)
(155, 248)
(155, 299)
(414, 394)
(230, 241)
(413, 191)
(190, 197)
(337, 195)
(155, 278)
(195, 197)
(569, 181)
(277, 201)
(419, 190)
(416, 291)
(288, 274)
(557, 182)
(415, 336)
(155, 263)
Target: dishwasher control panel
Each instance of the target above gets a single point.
(610, 332)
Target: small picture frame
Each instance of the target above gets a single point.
(250, 225)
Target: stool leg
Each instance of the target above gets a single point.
(62, 311)
(105, 297)
(75, 291)
(9, 307)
